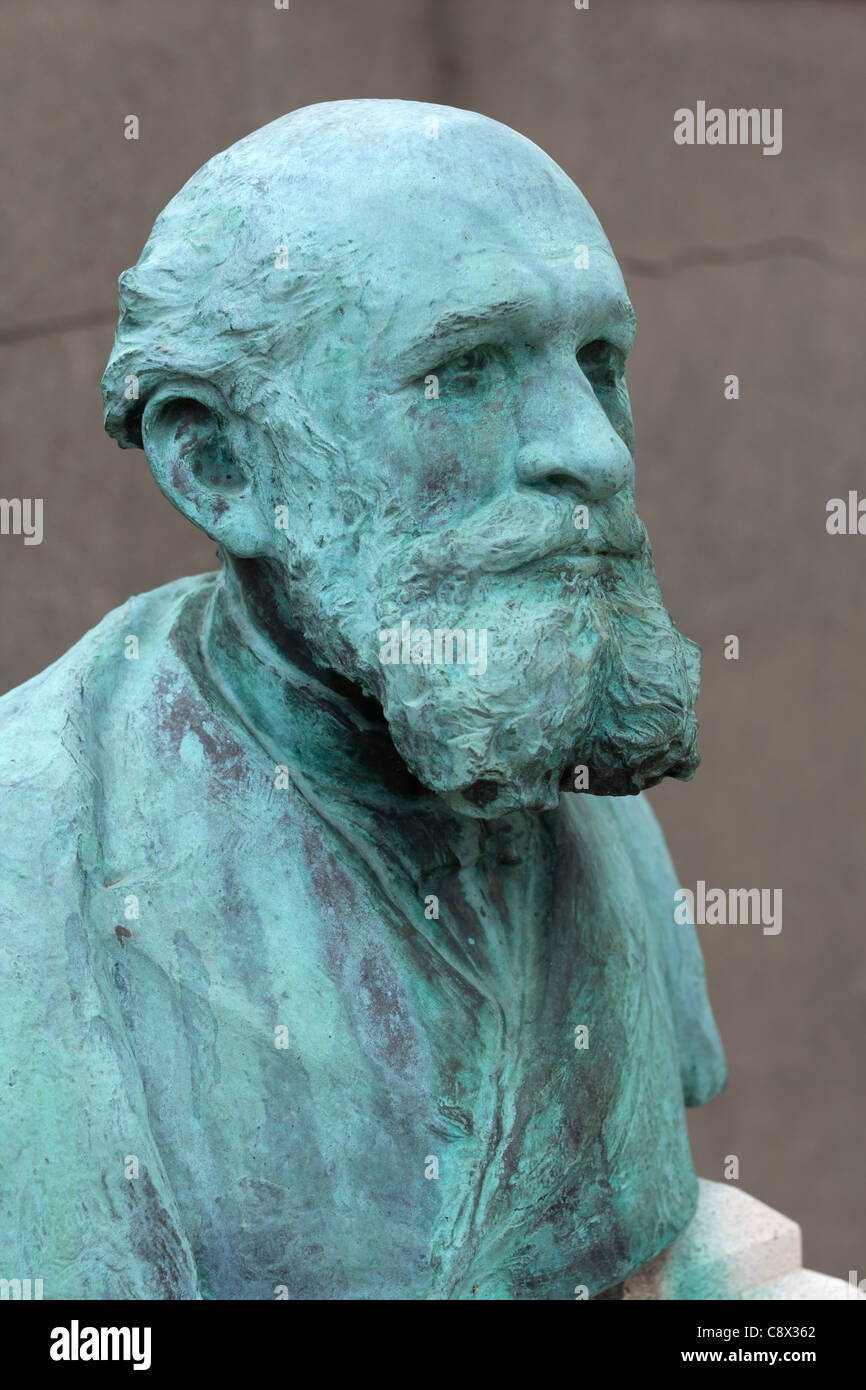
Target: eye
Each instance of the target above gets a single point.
(472, 361)
(466, 366)
(601, 363)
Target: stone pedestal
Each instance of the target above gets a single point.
(734, 1248)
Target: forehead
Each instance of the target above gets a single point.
(410, 229)
(507, 236)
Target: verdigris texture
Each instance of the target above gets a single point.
(338, 945)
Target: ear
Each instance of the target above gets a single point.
(202, 456)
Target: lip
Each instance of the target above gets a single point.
(576, 565)
(577, 569)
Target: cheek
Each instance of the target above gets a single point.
(447, 456)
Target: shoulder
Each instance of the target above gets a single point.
(52, 755)
(43, 721)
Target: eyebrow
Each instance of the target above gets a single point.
(449, 331)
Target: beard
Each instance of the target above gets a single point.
(573, 675)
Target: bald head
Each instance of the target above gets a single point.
(359, 202)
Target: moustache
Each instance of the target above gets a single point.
(526, 528)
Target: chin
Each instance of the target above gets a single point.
(625, 756)
(488, 798)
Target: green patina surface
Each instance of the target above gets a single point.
(376, 351)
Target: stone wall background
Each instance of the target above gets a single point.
(736, 263)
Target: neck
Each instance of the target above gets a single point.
(315, 722)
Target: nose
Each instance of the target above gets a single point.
(568, 440)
